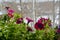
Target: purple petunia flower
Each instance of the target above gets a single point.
(58, 30)
(39, 26)
(7, 8)
(10, 15)
(19, 20)
(29, 20)
(10, 11)
(29, 29)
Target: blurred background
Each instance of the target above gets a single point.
(34, 9)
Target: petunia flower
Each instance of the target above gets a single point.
(29, 20)
(7, 8)
(10, 11)
(19, 20)
(58, 30)
(39, 21)
(10, 15)
(29, 29)
(42, 19)
(50, 24)
(39, 26)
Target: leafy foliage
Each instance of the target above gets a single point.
(9, 30)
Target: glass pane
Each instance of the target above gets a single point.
(56, 12)
(27, 8)
(14, 4)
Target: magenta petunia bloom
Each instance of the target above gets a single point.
(7, 8)
(45, 21)
(19, 20)
(39, 21)
(29, 29)
(49, 24)
(42, 19)
(10, 15)
(58, 31)
(10, 11)
(29, 20)
(39, 26)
